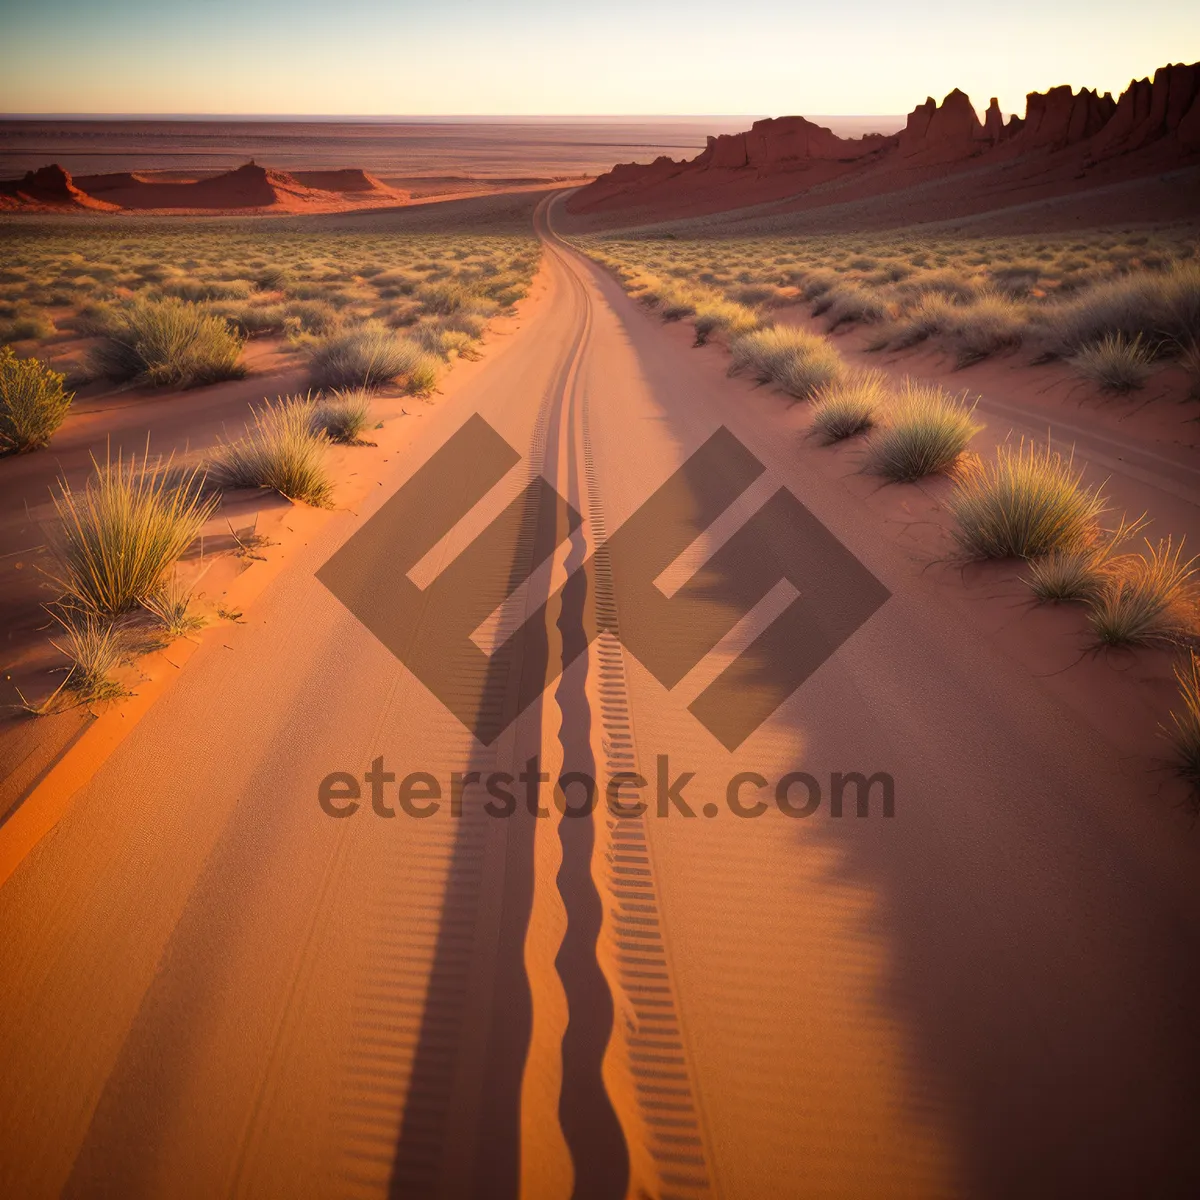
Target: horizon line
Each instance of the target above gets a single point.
(202, 116)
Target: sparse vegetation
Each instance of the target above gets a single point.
(980, 296)
(279, 451)
(1147, 599)
(1116, 363)
(171, 605)
(342, 415)
(368, 357)
(925, 433)
(96, 649)
(168, 342)
(33, 403)
(1028, 502)
(849, 406)
(1185, 721)
(798, 361)
(122, 532)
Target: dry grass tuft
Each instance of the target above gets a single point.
(1117, 364)
(926, 432)
(1147, 600)
(342, 416)
(849, 406)
(368, 356)
(168, 342)
(799, 362)
(1028, 503)
(279, 451)
(122, 533)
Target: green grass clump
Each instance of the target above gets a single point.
(342, 416)
(1147, 600)
(368, 356)
(1185, 736)
(281, 451)
(799, 362)
(926, 432)
(1116, 363)
(168, 342)
(124, 530)
(1027, 503)
(849, 406)
(33, 403)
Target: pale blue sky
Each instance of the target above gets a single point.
(535, 56)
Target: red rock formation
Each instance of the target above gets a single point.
(993, 124)
(1064, 136)
(47, 187)
(1149, 111)
(779, 144)
(1060, 118)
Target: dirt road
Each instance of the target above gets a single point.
(212, 987)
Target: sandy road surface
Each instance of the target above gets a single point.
(209, 987)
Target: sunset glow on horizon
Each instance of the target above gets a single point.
(526, 57)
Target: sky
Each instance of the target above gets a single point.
(374, 57)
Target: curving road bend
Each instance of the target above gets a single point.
(210, 987)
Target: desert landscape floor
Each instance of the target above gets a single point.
(211, 987)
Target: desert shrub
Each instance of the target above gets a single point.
(952, 283)
(1027, 503)
(852, 302)
(714, 315)
(280, 451)
(95, 649)
(1067, 575)
(26, 325)
(925, 433)
(170, 605)
(1163, 307)
(798, 361)
(989, 324)
(197, 290)
(444, 297)
(271, 279)
(818, 282)
(368, 356)
(1185, 736)
(123, 532)
(932, 313)
(676, 302)
(849, 406)
(33, 403)
(1015, 279)
(754, 293)
(253, 320)
(1147, 600)
(472, 324)
(1116, 363)
(445, 343)
(312, 316)
(97, 317)
(168, 342)
(342, 415)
